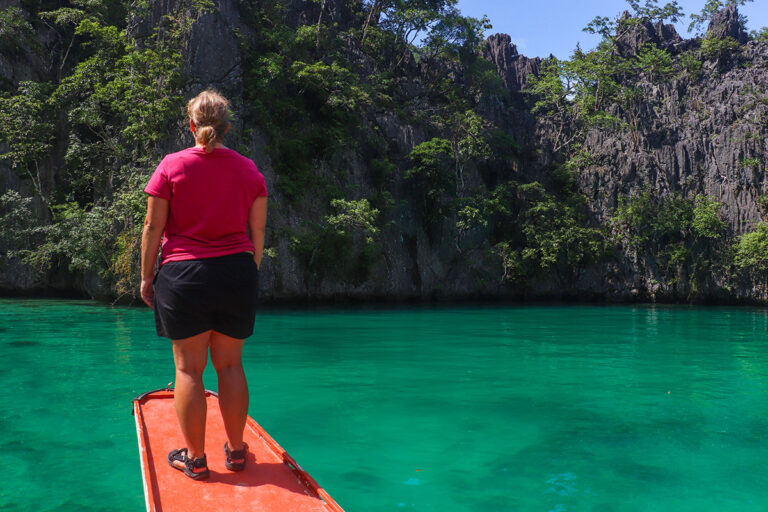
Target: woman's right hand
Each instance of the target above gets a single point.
(147, 291)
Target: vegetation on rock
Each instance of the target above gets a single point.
(382, 120)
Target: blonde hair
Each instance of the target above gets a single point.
(209, 112)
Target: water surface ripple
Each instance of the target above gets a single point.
(529, 408)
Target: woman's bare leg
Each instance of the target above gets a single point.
(226, 355)
(190, 356)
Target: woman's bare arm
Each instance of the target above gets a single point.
(154, 225)
(257, 222)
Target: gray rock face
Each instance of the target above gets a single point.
(727, 23)
(634, 36)
(705, 136)
(693, 137)
(514, 69)
(28, 62)
(213, 55)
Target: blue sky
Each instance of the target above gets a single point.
(541, 27)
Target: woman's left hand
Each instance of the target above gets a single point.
(147, 291)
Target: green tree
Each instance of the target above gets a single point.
(553, 89)
(558, 239)
(342, 245)
(759, 35)
(410, 21)
(649, 11)
(650, 224)
(433, 180)
(354, 216)
(468, 142)
(20, 234)
(684, 238)
(752, 249)
(718, 48)
(456, 37)
(333, 87)
(29, 131)
(534, 234)
(16, 33)
(690, 64)
(751, 252)
(655, 63)
(706, 222)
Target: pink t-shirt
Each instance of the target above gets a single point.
(210, 196)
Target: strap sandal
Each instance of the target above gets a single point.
(196, 469)
(235, 459)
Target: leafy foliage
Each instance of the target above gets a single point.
(759, 35)
(16, 33)
(29, 129)
(644, 221)
(20, 234)
(433, 180)
(752, 250)
(690, 63)
(533, 233)
(706, 218)
(654, 62)
(683, 237)
(120, 99)
(718, 48)
(343, 244)
(650, 11)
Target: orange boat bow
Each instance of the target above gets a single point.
(271, 481)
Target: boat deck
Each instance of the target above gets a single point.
(271, 480)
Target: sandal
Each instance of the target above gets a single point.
(188, 466)
(236, 455)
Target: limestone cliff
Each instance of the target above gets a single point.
(702, 135)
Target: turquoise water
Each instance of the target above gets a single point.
(551, 409)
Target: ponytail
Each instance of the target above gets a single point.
(209, 113)
(206, 136)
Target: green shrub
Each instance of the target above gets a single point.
(690, 63)
(751, 250)
(16, 33)
(750, 163)
(342, 245)
(432, 180)
(706, 218)
(760, 36)
(718, 48)
(533, 233)
(654, 62)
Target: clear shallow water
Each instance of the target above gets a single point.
(551, 409)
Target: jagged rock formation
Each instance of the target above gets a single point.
(726, 23)
(692, 137)
(514, 69)
(664, 36)
(705, 136)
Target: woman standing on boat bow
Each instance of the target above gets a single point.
(209, 205)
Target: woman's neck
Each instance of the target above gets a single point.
(218, 145)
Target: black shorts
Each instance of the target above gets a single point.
(195, 296)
